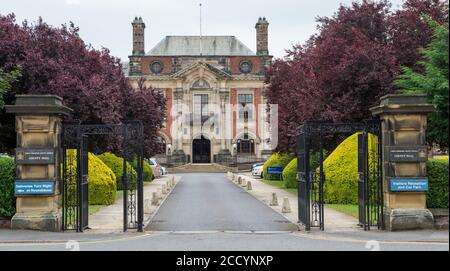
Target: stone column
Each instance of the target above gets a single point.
(404, 123)
(178, 154)
(38, 128)
(224, 154)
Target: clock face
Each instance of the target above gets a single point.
(245, 67)
(156, 67)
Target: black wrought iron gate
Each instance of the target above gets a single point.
(74, 174)
(311, 175)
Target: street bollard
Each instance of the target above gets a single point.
(239, 180)
(168, 186)
(147, 207)
(249, 185)
(164, 189)
(286, 208)
(274, 201)
(244, 182)
(159, 193)
(155, 199)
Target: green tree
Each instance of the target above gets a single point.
(433, 82)
(6, 79)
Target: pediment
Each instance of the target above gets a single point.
(201, 68)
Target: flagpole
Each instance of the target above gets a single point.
(201, 39)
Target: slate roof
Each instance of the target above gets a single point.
(190, 46)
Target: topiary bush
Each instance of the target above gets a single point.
(7, 177)
(341, 170)
(102, 180)
(276, 160)
(147, 171)
(115, 163)
(290, 174)
(437, 196)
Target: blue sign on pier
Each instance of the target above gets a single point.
(34, 188)
(408, 185)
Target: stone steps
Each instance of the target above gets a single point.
(210, 168)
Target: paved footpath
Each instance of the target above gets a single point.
(208, 201)
(110, 218)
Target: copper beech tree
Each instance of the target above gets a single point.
(55, 60)
(349, 64)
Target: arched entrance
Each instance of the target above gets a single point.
(201, 150)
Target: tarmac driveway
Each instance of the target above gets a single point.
(210, 202)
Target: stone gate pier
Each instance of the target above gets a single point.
(405, 182)
(38, 128)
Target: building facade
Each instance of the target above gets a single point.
(214, 87)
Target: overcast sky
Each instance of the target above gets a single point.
(107, 23)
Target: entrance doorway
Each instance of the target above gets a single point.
(201, 150)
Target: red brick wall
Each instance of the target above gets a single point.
(147, 60)
(254, 60)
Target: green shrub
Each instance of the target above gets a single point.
(290, 174)
(437, 196)
(290, 171)
(115, 163)
(102, 180)
(147, 171)
(276, 160)
(341, 170)
(7, 177)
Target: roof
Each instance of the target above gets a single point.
(190, 46)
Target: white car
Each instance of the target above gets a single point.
(163, 171)
(257, 170)
(156, 168)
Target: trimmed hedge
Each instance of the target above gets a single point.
(341, 170)
(276, 160)
(290, 171)
(290, 174)
(102, 180)
(115, 163)
(437, 196)
(7, 177)
(147, 171)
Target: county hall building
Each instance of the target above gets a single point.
(214, 87)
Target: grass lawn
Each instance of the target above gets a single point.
(280, 184)
(347, 209)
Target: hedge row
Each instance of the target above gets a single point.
(276, 160)
(437, 170)
(7, 177)
(115, 163)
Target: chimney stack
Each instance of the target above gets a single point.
(262, 44)
(138, 36)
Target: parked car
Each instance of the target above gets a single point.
(257, 170)
(156, 168)
(163, 171)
